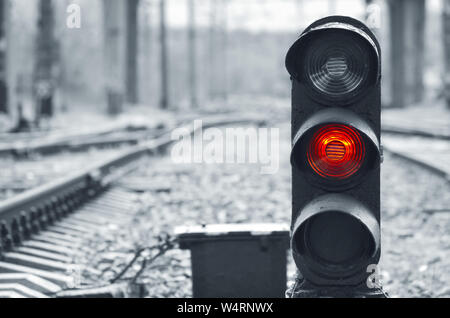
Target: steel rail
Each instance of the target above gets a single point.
(419, 162)
(388, 129)
(75, 143)
(29, 212)
(100, 138)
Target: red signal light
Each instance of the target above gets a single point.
(336, 151)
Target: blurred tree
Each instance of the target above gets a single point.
(46, 57)
(407, 25)
(446, 35)
(223, 49)
(146, 51)
(113, 56)
(164, 102)
(3, 57)
(419, 50)
(212, 61)
(192, 54)
(131, 51)
(65, 55)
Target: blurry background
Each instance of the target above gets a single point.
(183, 53)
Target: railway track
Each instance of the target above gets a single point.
(24, 146)
(19, 175)
(37, 157)
(46, 143)
(431, 153)
(42, 230)
(421, 138)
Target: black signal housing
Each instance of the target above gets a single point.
(335, 229)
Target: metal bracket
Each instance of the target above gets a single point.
(304, 289)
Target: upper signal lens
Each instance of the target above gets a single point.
(336, 66)
(335, 72)
(336, 152)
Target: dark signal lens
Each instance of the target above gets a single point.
(337, 66)
(336, 151)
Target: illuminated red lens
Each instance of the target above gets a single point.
(336, 151)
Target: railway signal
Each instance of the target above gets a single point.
(335, 67)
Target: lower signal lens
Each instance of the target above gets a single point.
(336, 151)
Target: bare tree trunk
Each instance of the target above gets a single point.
(224, 49)
(192, 55)
(146, 53)
(63, 55)
(46, 55)
(3, 58)
(164, 103)
(212, 58)
(11, 73)
(113, 54)
(446, 35)
(397, 52)
(407, 51)
(419, 48)
(131, 51)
